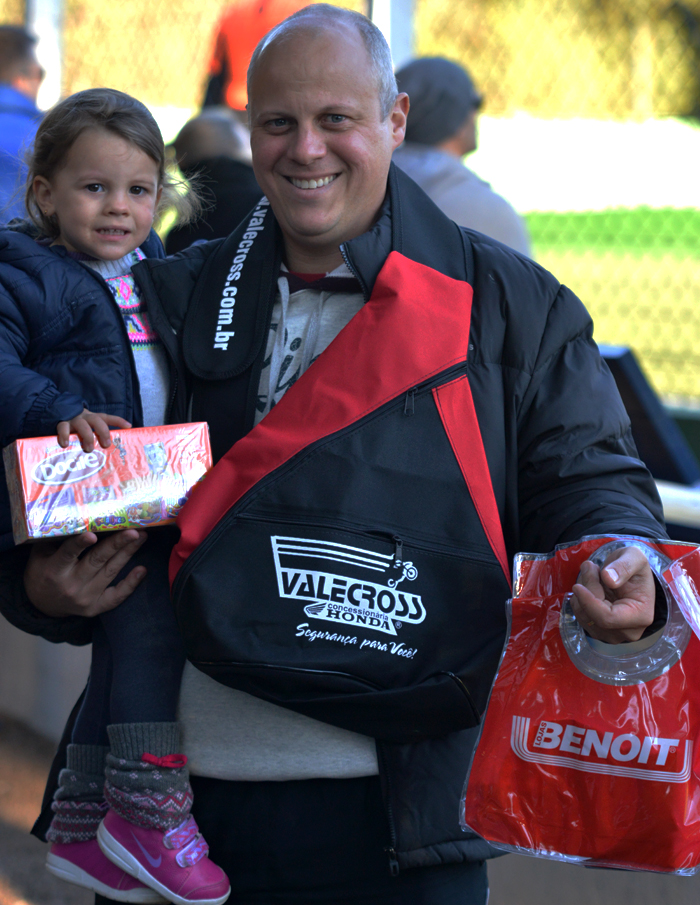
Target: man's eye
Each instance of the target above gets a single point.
(336, 118)
(279, 123)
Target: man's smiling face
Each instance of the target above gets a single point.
(321, 151)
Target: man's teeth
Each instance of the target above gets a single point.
(311, 183)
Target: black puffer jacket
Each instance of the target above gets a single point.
(555, 434)
(63, 345)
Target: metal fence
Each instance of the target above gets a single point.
(589, 128)
(601, 98)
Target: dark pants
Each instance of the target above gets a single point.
(137, 653)
(318, 842)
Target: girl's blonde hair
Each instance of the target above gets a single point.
(119, 113)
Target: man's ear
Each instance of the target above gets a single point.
(398, 118)
(43, 195)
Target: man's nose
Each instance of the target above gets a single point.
(309, 145)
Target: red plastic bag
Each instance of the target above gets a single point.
(589, 753)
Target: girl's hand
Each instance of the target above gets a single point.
(87, 426)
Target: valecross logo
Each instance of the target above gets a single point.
(624, 754)
(346, 597)
(68, 467)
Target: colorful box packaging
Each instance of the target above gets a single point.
(142, 479)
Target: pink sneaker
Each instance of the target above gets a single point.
(173, 863)
(83, 864)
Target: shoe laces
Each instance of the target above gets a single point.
(186, 837)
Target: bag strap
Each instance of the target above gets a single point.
(225, 325)
(456, 407)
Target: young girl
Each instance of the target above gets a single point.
(80, 355)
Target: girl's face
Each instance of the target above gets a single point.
(104, 195)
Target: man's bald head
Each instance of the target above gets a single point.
(321, 142)
(320, 16)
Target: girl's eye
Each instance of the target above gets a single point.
(94, 187)
(137, 190)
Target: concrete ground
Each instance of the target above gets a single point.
(515, 880)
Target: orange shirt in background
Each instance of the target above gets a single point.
(240, 28)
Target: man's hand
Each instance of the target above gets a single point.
(87, 426)
(60, 582)
(616, 603)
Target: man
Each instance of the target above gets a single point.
(20, 79)
(440, 131)
(215, 148)
(410, 434)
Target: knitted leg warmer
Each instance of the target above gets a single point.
(144, 793)
(79, 804)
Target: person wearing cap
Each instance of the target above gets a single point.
(440, 131)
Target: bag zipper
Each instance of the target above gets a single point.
(389, 808)
(290, 669)
(275, 475)
(383, 534)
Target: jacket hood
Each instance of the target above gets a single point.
(392, 231)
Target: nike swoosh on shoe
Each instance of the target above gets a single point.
(154, 862)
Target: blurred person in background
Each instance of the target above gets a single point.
(238, 31)
(214, 148)
(20, 79)
(440, 131)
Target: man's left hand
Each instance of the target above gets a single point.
(616, 603)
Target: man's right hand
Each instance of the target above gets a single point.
(60, 582)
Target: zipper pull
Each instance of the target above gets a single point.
(398, 552)
(393, 862)
(409, 406)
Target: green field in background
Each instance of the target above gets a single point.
(638, 230)
(638, 273)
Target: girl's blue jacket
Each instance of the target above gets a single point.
(63, 344)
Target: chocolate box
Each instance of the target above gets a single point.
(142, 479)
